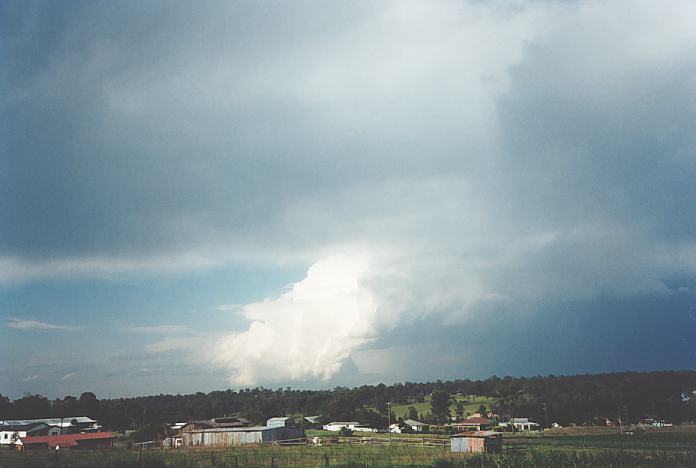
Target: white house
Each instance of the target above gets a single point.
(10, 433)
(416, 426)
(60, 425)
(363, 428)
(524, 424)
(338, 425)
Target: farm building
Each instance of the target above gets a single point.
(92, 440)
(233, 436)
(59, 425)
(524, 424)
(9, 433)
(215, 423)
(415, 426)
(338, 425)
(172, 442)
(276, 429)
(363, 428)
(285, 421)
(473, 424)
(477, 441)
(313, 422)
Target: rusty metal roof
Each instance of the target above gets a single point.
(479, 434)
(66, 439)
(474, 421)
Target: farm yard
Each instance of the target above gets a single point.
(470, 404)
(582, 448)
(368, 426)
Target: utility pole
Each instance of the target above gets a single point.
(546, 416)
(389, 429)
(625, 408)
(389, 422)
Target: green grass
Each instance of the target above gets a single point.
(352, 456)
(674, 449)
(471, 406)
(674, 441)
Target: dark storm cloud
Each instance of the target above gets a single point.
(116, 144)
(591, 133)
(479, 156)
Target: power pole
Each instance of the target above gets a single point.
(625, 408)
(389, 422)
(546, 416)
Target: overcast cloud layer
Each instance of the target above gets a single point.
(431, 165)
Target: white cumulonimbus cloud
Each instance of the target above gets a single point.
(308, 331)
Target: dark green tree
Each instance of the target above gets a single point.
(32, 407)
(460, 409)
(439, 406)
(88, 404)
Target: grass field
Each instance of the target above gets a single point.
(669, 449)
(471, 405)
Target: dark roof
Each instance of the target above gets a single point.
(214, 423)
(21, 427)
(238, 420)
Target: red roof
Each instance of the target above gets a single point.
(67, 440)
(475, 421)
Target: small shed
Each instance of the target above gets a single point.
(284, 421)
(477, 441)
(416, 426)
(314, 422)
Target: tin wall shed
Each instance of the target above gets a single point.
(230, 437)
(224, 437)
(479, 441)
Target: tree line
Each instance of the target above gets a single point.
(580, 399)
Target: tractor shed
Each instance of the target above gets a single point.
(235, 436)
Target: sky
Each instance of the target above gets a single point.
(197, 196)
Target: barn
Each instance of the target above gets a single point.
(234, 436)
(477, 441)
(276, 429)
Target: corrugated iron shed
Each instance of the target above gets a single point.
(234, 436)
(477, 441)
